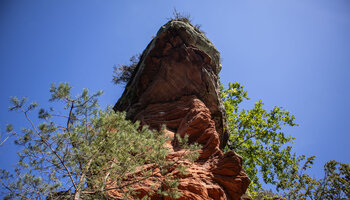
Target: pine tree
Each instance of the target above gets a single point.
(77, 155)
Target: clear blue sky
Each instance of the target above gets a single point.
(291, 53)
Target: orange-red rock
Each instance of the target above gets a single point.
(176, 84)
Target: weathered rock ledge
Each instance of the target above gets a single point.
(176, 84)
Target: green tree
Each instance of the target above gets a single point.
(74, 152)
(334, 185)
(256, 135)
(262, 194)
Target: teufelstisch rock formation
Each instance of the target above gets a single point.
(175, 84)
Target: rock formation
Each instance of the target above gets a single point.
(175, 83)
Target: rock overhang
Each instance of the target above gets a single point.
(179, 61)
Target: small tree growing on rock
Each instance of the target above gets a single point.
(123, 73)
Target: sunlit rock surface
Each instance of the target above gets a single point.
(176, 84)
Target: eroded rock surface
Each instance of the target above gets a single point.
(176, 84)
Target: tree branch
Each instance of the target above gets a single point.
(50, 147)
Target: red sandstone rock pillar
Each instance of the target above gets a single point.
(176, 84)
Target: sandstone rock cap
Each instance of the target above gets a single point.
(179, 61)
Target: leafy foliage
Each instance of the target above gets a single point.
(334, 185)
(256, 135)
(81, 153)
(262, 194)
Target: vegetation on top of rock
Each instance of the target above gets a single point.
(180, 16)
(123, 72)
(185, 17)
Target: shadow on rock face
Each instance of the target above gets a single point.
(176, 83)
